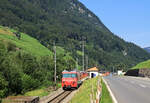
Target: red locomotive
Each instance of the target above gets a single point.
(72, 79)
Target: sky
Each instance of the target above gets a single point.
(129, 19)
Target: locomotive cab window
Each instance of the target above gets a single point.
(69, 75)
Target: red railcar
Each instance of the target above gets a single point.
(71, 79)
(83, 74)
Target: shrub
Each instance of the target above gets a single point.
(3, 86)
(28, 83)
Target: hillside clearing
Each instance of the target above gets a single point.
(26, 44)
(145, 64)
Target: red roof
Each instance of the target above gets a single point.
(92, 69)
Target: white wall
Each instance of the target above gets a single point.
(120, 72)
(95, 73)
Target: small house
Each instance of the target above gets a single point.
(93, 72)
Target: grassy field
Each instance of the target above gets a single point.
(41, 92)
(83, 95)
(26, 43)
(38, 92)
(145, 64)
(105, 98)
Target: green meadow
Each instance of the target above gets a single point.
(145, 64)
(26, 43)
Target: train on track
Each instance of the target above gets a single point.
(72, 79)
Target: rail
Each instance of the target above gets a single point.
(60, 97)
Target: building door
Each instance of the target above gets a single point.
(92, 75)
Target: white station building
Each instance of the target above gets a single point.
(93, 72)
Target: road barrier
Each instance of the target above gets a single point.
(142, 72)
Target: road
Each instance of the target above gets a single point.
(129, 89)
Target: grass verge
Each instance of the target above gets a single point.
(42, 91)
(105, 98)
(83, 95)
(38, 92)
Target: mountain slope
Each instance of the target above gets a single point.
(67, 22)
(147, 49)
(25, 64)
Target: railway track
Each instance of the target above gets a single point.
(60, 97)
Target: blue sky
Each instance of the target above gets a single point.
(129, 19)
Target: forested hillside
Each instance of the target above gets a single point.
(67, 22)
(25, 64)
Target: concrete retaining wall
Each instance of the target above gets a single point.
(139, 72)
(134, 72)
(144, 73)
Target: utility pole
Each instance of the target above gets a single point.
(87, 61)
(55, 64)
(77, 63)
(83, 54)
